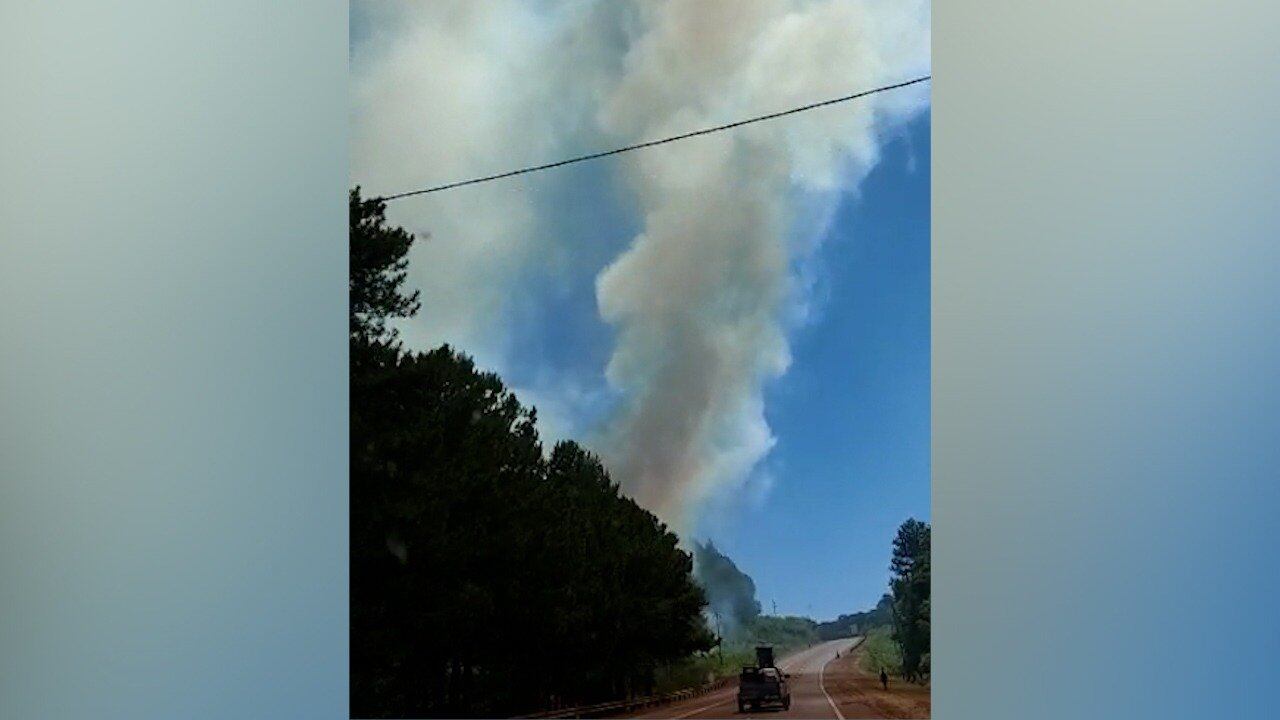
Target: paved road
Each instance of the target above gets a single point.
(808, 698)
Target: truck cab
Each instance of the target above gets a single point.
(761, 686)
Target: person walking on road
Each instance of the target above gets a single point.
(884, 679)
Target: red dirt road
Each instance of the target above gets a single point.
(858, 693)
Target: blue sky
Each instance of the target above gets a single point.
(675, 265)
(851, 415)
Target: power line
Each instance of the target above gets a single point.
(651, 143)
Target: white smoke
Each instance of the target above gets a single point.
(700, 297)
(703, 298)
(449, 90)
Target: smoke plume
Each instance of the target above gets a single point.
(704, 296)
(731, 593)
(701, 298)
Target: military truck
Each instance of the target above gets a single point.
(763, 683)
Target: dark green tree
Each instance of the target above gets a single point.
(378, 267)
(487, 579)
(910, 584)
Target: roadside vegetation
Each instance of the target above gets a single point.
(488, 576)
(701, 668)
(734, 614)
(897, 630)
(858, 623)
(738, 648)
(783, 632)
(911, 597)
(879, 651)
(857, 676)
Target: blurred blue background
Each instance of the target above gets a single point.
(1106, 338)
(173, 397)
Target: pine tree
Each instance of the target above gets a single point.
(910, 585)
(487, 579)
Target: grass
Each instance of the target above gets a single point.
(783, 633)
(700, 669)
(880, 650)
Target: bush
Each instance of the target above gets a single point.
(881, 651)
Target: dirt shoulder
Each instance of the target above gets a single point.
(855, 690)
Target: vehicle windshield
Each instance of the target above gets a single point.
(770, 674)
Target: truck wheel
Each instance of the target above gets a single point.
(786, 704)
(742, 707)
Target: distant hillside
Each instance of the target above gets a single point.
(734, 610)
(781, 631)
(858, 623)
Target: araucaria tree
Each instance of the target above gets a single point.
(487, 579)
(910, 586)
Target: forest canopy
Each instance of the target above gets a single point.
(488, 577)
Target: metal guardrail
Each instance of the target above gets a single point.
(621, 706)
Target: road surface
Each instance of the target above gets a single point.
(809, 699)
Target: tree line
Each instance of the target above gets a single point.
(736, 612)
(897, 630)
(858, 623)
(488, 576)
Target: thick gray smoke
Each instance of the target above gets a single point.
(704, 296)
(731, 593)
(701, 297)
